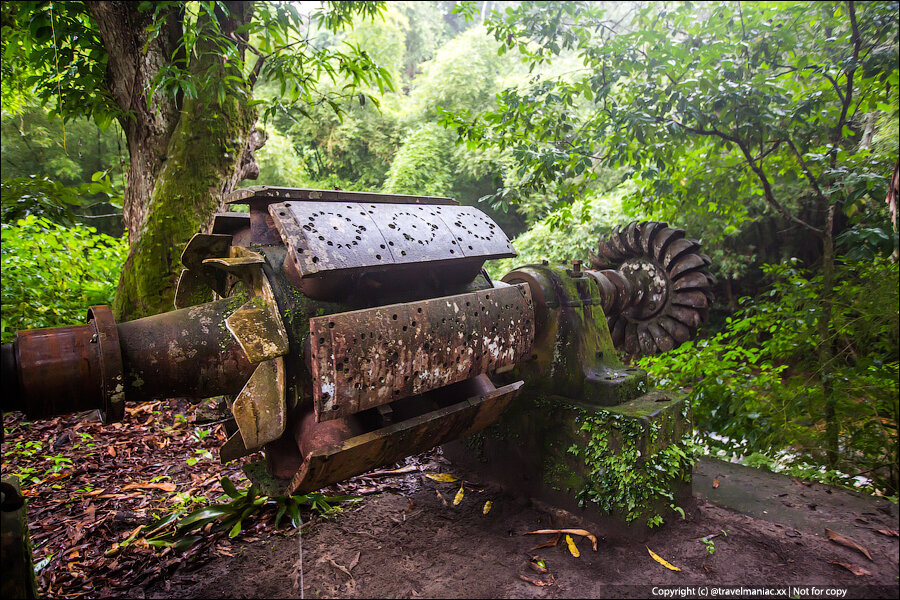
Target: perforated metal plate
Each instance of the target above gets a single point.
(334, 236)
(367, 358)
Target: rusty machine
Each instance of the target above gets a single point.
(351, 329)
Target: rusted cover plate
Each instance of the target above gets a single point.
(333, 236)
(366, 358)
(389, 444)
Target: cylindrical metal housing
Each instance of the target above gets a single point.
(187, 352)
(58, 371)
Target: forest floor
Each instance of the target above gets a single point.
(90, 487)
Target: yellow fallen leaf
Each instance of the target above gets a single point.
(572, 547)
(487, 507)
(459, 496)
(441, 477)
(581, 532)
(661, 561)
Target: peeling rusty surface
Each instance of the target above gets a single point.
(388, 444)
(192, 289)
(256, 325)
(259, 409)
(671, 288)
(260, 335)
(59, 370)
(184, 353)
(331, 236)
(366, 358)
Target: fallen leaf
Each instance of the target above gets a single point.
(166, 487)
(845, 541)
(715, 483)
(582, 532)
(344, 570)
(487, 507)
(661, 560)
(400, 471)
(538, 564)
(889, 532)
(441, 477)
(572, 547)
(534, 581)
(459, 496)
(355, 560)
(550, 543)
(855, 569)
(441, 496)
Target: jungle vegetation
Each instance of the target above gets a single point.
(767, 130)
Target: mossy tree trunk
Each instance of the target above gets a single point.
(186, 154)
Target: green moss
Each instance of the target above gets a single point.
(203, 153)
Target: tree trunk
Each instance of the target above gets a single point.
(184, 155)
(826, 342)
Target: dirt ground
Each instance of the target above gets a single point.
(408, 543)
(90, 488)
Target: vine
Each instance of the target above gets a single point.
(619, 479)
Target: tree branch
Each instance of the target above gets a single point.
(757, 170)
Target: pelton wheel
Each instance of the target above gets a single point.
(674, 288)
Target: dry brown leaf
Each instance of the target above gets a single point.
(166, 487)
(549, 543)
(715, 483)
(344, 570)
(441, 496)
(535, 581)
(855, 569)
(538, 564)
(400, 471)
(581, 532)
(834, 536)
(889, 532)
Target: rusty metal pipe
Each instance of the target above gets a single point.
(183, 353)
(57, 370)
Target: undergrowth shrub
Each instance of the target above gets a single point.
(52, 273)
(756, 386)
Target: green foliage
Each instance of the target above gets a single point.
(51, 274)
(568, 233)
(750, 384)
(181, 531)
(422, 164)
(49, 199)
(713, 108)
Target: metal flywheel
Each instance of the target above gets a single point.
(677, 287)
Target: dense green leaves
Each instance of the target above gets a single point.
(751, 386)
(711, 107)
(51, 273)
